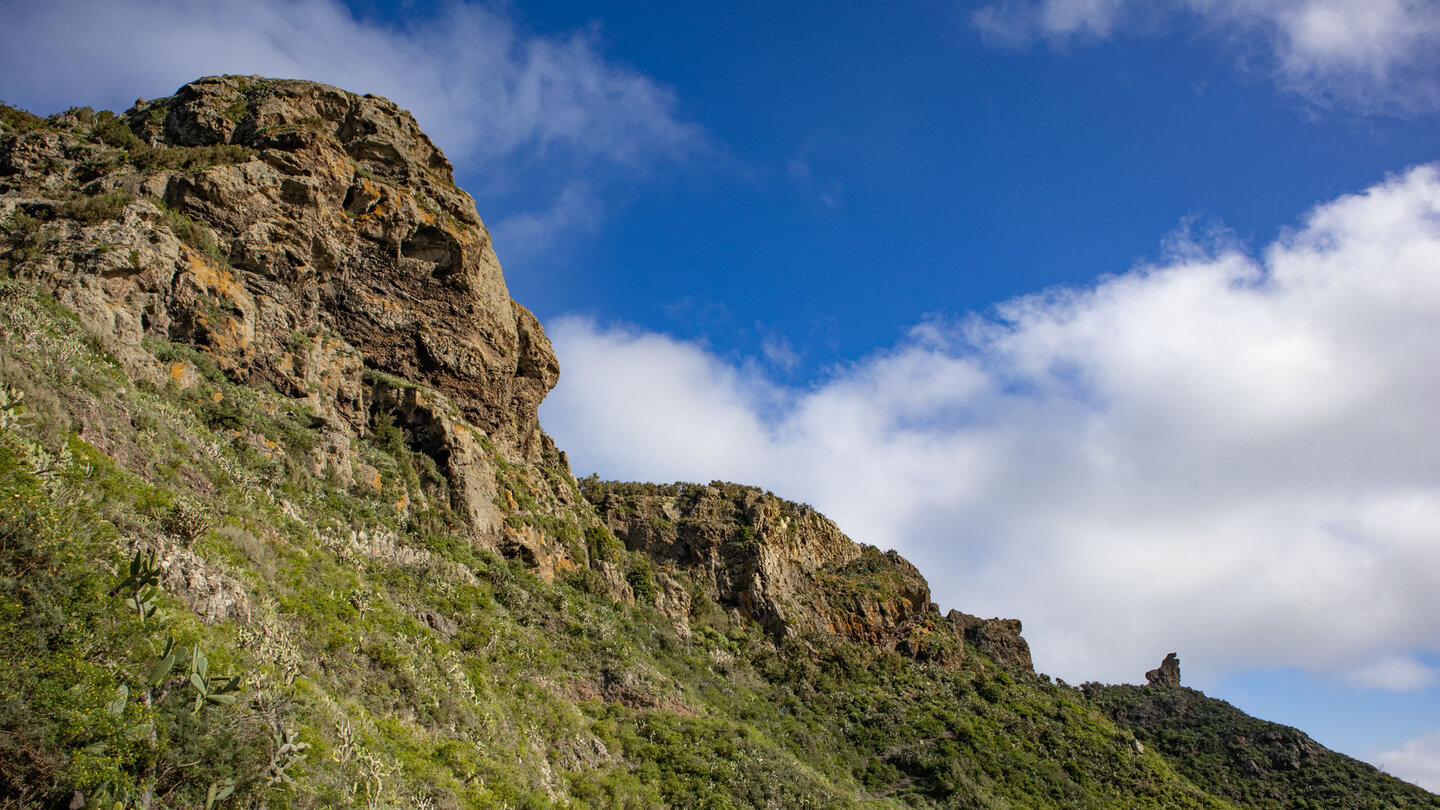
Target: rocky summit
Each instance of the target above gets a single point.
(281, 529)
(1167, 674)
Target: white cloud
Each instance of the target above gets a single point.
(1232, 457)
(1396, 673)
(779, 352)
(1016, 23)
(1416, 761)
(1370, 54)
(635, 397)
(493, 96)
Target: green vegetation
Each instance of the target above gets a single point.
(189, 158)
(381, 660)
(86, 704)
(1250, 762)
(99, 208)
(23, 238)
(113, 131)
(113, 145)
(195, 234)
(18, 121)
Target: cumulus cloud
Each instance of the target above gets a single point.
(1370, 54)
(495, 97)
(1416, 761)
(1233, 456)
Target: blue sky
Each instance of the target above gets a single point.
(1116, 316)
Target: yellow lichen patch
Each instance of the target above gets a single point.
(216, 396)
(368, 476)
(227, 340)
(377, 194)
(565, 565)
(209, 276)
(183, 373)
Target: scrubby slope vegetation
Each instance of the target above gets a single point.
(1248, 761)
(279, 529)
(418, 668)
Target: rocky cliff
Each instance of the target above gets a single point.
(793, 571)
(304, 238)
(313, 240)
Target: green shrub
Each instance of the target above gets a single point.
(641, 577)
(237, 111)
(23, 232)
(195, 234)
(189, 158)
(98, 208)
(19, 121)
(602, 544)
(113, 131)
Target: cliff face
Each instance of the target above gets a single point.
(792, 570)
(302, 237)
(325, 237)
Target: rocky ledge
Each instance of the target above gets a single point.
(793, 571)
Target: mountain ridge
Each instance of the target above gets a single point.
(259, 352)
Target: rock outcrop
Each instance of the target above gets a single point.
(1167, 674)
(793, 571)
(299, 234)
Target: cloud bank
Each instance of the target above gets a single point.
(1236, 457)
(1374, 55)
(1416, 761)
(522, 108)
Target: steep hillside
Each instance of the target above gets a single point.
(280, 529)
(1247, 761)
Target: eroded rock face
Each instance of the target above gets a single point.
(792, 570)
(998, 639)
(340, 244)
(1167, 674)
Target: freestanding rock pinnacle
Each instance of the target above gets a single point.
(1167, 674)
